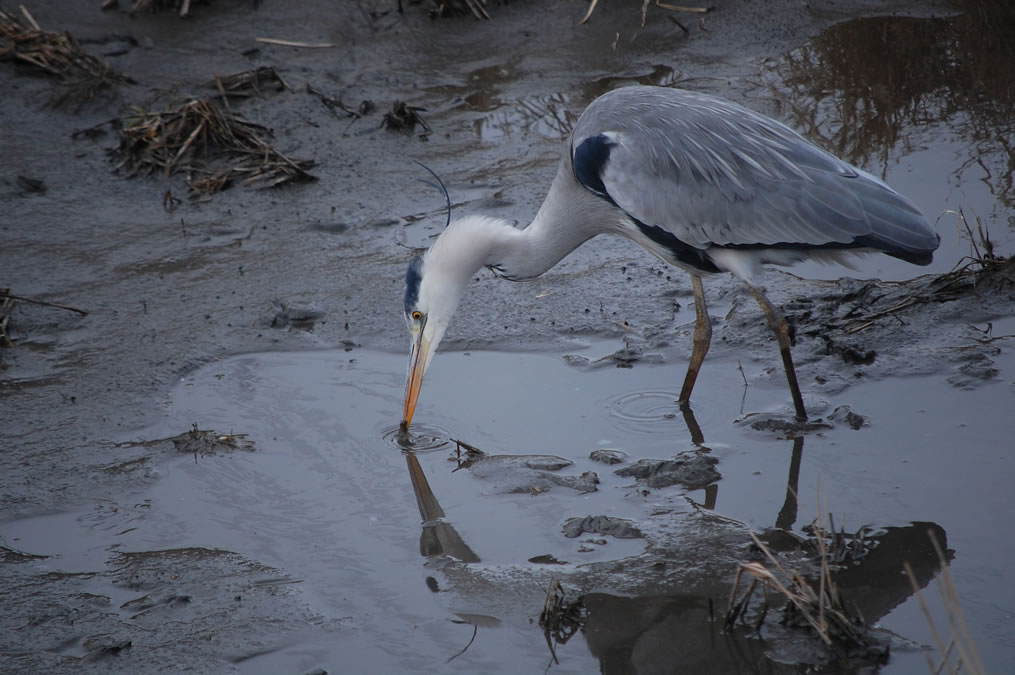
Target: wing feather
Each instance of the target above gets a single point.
(713, 173)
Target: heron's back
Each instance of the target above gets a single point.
(699, 172)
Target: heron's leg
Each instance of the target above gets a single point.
(702, 338)
(778, 323)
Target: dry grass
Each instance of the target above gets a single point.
(959, 654)
(81, 75)
(983, 264)
(212, 145)
(818, 605)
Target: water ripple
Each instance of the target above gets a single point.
(650, 412)
(419, 438)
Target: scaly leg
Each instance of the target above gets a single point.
(702, 339)
(778, 324)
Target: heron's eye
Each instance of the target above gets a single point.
(417, 315)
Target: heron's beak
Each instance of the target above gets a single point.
(418, 358)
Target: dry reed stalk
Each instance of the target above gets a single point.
(57, 55)
(968, 660)
(197, 137)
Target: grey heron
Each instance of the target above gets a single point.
(700, 182)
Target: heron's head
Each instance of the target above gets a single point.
(434, 284)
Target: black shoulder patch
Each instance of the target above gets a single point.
(589, 160)
(684, 253)
(412, 278)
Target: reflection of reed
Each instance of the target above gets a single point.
(876, 77)
(553, 115)
(788, 512)
(546, 115)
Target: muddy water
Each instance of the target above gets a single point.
(327, 545)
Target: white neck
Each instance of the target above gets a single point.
(564, 222)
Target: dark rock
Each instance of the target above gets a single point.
(608, 456)
(608, 525)
(691, 469)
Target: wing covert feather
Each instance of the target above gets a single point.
(714, 173)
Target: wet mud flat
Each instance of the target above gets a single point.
(169, 503)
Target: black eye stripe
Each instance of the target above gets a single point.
(413, 277)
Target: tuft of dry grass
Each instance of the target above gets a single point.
(818, 605)
(212, 145)
(57, 55)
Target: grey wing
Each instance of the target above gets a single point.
(711, 172)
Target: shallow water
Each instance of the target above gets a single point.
(327, 498)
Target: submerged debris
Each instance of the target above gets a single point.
(182, 6)
(445, 8)
(405, 117)
(32, 185)
(644, 11)
(59, 55)
(7, 300)
(207, 442)
(334, 105)
(522, 474)
(249, 82)
(560, 618)
(191, 136)
(6, 307)
(197, 442)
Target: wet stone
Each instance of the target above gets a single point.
(844, 414)
(788, 426)
(690, 469)
(606, 525)
(296, 315)
(977, 369)
(105, 647)
(546, 559)
(531, 474)
(608, 456)
(541, 481)
(535, 462)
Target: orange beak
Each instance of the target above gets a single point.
(414, 378)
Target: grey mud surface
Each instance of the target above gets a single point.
(289, 539)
